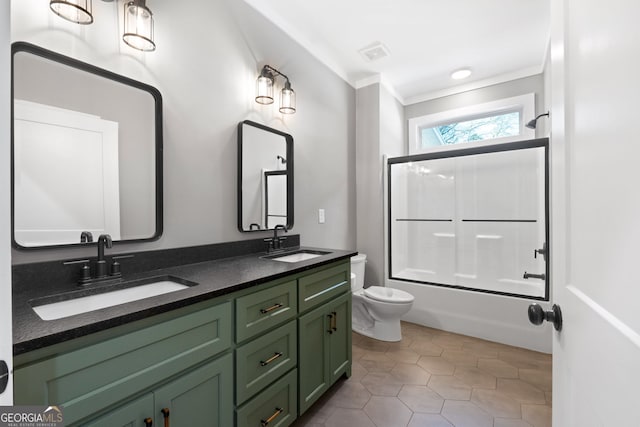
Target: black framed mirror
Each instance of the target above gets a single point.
(86, 153)
(265, 177)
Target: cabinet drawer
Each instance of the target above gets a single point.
(319, 287)
(274, 407)
(264, 359)
(88, 380)
(264, 309)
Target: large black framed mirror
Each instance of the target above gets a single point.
(86, 153)
(265, 177)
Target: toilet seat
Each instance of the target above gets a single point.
(389, 295)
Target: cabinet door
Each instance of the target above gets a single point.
(202, 397)
(340, 338)
(313, 357)
(133, 414)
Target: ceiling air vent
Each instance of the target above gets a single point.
(374, 52)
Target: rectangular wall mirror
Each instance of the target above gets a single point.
(265, 177)
(86, 152)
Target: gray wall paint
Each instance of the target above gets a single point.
(380, 131)
(205, 66)
(516, 87)
(370, 239)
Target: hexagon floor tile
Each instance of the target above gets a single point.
(434, 378)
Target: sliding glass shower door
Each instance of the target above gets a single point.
(471, 218)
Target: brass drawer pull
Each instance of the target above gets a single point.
(271, 359)
(330, 330)
(148, 422)
(266, 422)
(273, 307)
(165, 412)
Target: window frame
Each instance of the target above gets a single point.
(524, 104)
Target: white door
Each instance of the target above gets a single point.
(6, 342)
(66, 176)
(595, 207)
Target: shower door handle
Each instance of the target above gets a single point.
(537, 315)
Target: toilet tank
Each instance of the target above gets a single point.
(357, 268)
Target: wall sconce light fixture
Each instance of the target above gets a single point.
(264, 90)
(532, 123)
(138, 26)
(78, 11)
(138, 19)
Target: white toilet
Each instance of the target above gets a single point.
(376, 310)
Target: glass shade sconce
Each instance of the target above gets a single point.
(78, 11)
(138, 19)
(264, 90)
(138, 26)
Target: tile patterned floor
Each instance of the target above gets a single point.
(434, 378)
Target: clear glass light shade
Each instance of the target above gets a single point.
(78, 11)
(287, 101)
(264, 90)
(138, 26)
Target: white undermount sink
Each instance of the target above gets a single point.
(84, 304)
(297, 256)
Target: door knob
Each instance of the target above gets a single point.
(537, 315)
(4, 376)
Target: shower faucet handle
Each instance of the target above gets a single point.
(542, 251)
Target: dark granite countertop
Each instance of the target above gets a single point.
(214, 278)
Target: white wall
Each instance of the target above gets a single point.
(6, 338)
(208, 57)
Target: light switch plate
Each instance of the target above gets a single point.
(321, 217)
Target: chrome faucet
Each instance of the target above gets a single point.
(101, 264)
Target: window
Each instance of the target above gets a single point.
(482, 124)
(492, 127)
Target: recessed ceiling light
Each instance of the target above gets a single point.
(460, 74)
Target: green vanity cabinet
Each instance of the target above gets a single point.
(199, 398)
(324, 356)
(261, 355)
(88, 379)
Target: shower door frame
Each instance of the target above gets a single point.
(470, 151)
